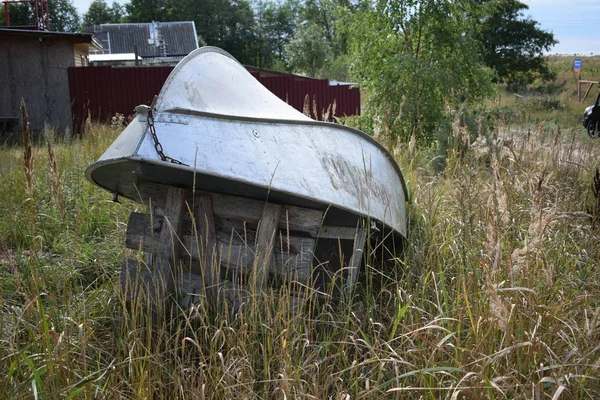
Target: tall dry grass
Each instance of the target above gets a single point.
(496, 296)
(27, 144)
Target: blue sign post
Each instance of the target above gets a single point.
(577, 65)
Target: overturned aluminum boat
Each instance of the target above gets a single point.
(214, 127)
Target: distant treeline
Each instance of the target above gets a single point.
(417, 59)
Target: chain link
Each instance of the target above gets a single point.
(157, 145)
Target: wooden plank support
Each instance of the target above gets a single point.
(235, 252)
(265, 242)
(138, 285)
(207, 245)
(587, 92)
(356, 259)
(136, 282)
(136, 279)
(167, 253)
(337, 232)
(241, 208)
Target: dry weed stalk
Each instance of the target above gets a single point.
(27, 149)
(499, 312)
(53, 171)
(118, 121)
(540, 220)
(400, 109)
(377, 127)
(492, 229)
(89, 127)
(333, 108)
(326, 113)
(500, 193)
(306, 106)
(314, 109)
(412, 144)
(459, 128)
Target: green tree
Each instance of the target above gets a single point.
(513, 44)
(20, 15)
(418, 61)
(308, 51)
(100, 13)
(118, 12)
(332, 16)
(228, 24)
(63, 16)
(325, 13)
(274, 28)
(149, 10)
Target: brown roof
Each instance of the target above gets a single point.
(73, 37)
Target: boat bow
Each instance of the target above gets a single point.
(233, 136)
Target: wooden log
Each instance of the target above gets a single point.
(293, 254)
(588, 90)
(356, 259)
(207, 243)
(241, 208)
(337, 232)
(136, 284)
(265, 242)
(167, 253)
(142, 232)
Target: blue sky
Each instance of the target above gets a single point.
(575, 23)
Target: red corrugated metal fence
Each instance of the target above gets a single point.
(102, 92)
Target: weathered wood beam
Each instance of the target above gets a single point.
(588, 90)
(167, 253)
(356, 259)
(136, 279)
(337, 232)
(240, 208)
(293, 254)
(206, 244)
(136, 283)
(265, 242)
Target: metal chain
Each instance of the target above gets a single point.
(157, 145)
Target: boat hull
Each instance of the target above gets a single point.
(305, 163)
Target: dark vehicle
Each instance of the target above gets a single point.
(591, 119)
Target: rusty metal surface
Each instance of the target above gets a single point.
(101, 92)
(225, 126)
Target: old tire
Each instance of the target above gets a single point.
(593, 128)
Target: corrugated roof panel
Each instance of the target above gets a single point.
(179, 37)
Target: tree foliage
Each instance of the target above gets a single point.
(275, 26)
(20, 15)
(63, 15)
(417, 60)
(513, 44)
(148, 11)
(227, 24)
(308, 51)
(100, 13)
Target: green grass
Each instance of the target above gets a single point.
(497, 295)
(554, 102)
